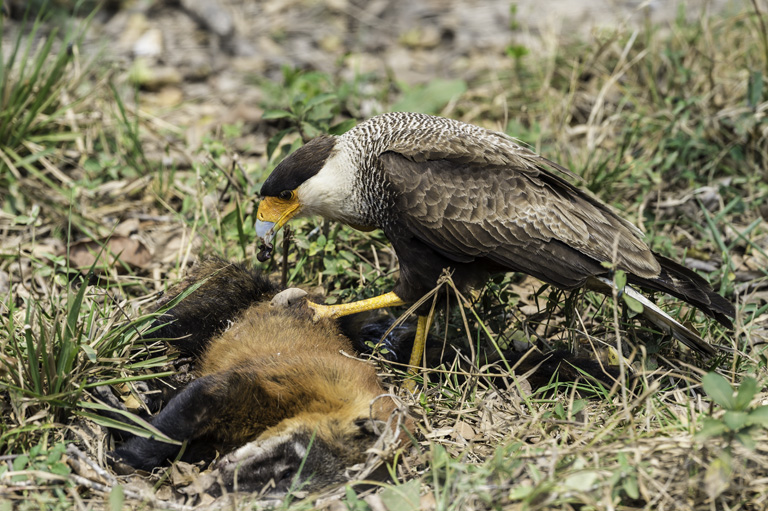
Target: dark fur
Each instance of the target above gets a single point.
(541, 368)
(269, 381)
(224, 291)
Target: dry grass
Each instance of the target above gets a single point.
(667, 125)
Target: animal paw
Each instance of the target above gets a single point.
(288, 297)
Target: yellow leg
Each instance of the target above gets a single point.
(379, 302)
(422, 327)
(417, 353)
(345, 309)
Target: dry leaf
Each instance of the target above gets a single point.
(112, 252)
(184, 474)
(717, 478)
(464, 430)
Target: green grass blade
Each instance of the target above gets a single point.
(144, 429)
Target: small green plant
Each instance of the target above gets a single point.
(304, 102)
(515, 51)
(116, 498)
(740, 420)
(430, 98)
(559, 412)
(403, 497)
(36, 461)
(37, 90)
(353, 502)
(620, 279)
(44, 473)
(624, 480)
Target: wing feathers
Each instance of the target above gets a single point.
(421, 138)
(663, 320)
(479, 210)
(531, 221)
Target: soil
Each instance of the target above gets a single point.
(198, 61)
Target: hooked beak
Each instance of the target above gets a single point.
(272, 214)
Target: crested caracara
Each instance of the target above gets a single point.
(453, 195)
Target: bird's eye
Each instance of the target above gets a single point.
(286, 195)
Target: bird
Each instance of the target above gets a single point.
(456, 196)
(280, 396)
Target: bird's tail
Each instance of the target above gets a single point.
(658, 317)
(687, 285)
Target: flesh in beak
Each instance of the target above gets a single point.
(272, 214)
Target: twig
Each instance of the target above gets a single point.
(73, 451)
(286, 248)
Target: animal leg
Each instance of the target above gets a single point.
(185, 418)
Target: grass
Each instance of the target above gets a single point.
(666, 124)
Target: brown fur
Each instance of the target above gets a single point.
(274, 389)
(297, 373)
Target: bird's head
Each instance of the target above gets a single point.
(287, 191)
(319, 178)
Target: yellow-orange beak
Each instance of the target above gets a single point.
(272, 214)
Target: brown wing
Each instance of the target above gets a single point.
(421, 137)
(525, 220)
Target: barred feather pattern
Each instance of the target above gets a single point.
(453, 195)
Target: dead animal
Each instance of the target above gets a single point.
(281, 397)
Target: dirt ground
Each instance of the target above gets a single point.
(197, 61)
